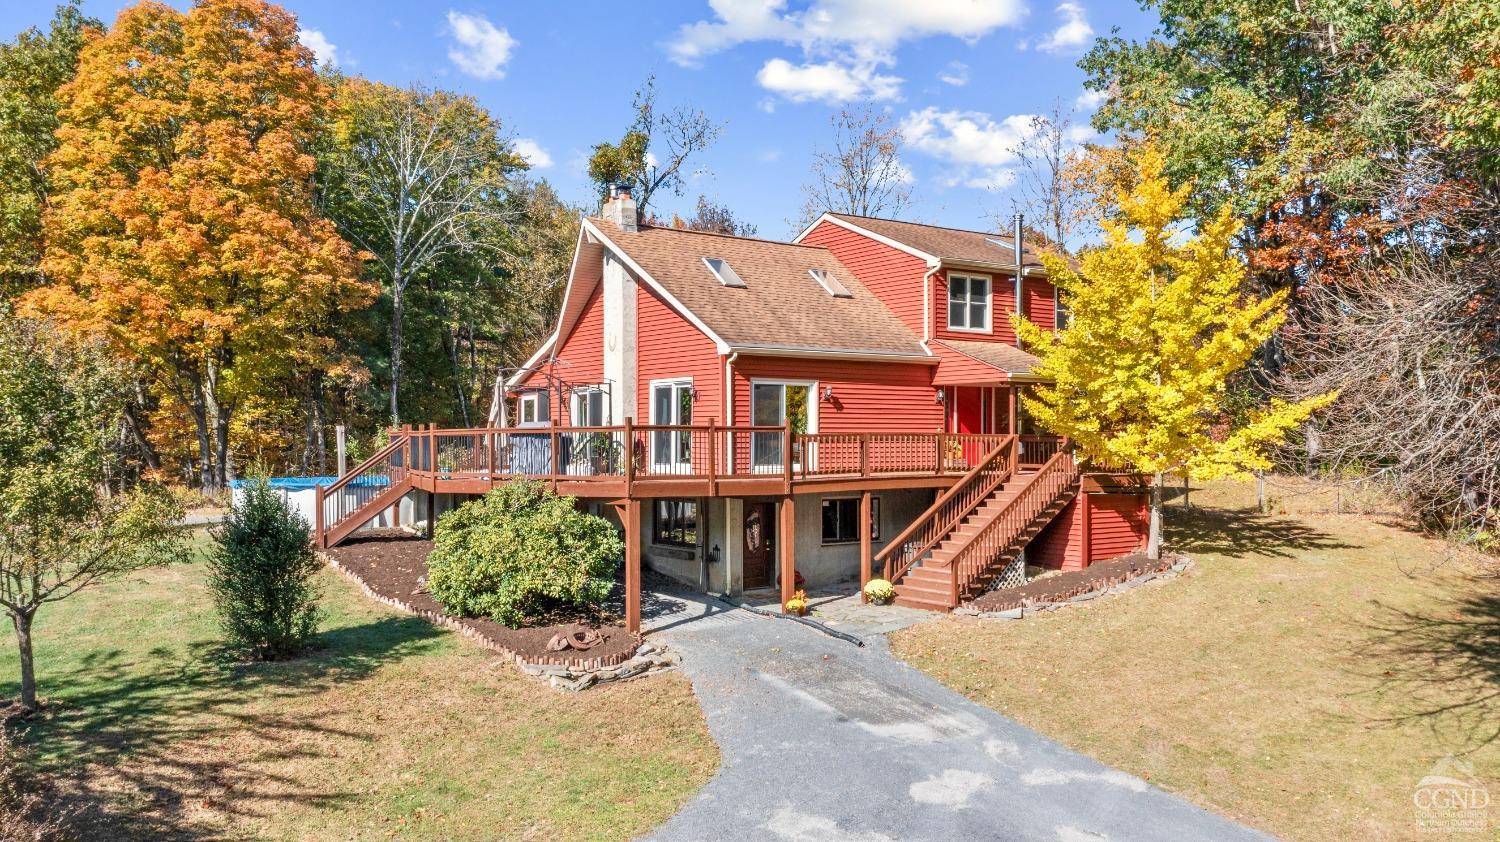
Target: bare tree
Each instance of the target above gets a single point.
(655, 149)
(1050, 190)
(1413, 349)
(418, 176)
(862, 173)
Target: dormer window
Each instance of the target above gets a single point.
(829, 283)
(723, 272)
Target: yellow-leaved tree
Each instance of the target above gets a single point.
(1159, 323)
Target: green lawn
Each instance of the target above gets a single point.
(392, 727)
(1261, 685)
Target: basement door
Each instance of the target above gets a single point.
(760, 543)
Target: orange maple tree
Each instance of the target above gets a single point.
(182, 224)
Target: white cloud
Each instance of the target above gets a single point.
(980, 149)
(325, 51)
(1090, 100)
(843, 42)
(483, 48)
(828, 82)
(535, 155)
(955, 74)
(1072, 33)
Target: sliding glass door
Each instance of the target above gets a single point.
(771, 405)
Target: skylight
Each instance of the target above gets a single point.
(723, 271)
(829, 283)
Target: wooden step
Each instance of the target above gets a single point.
(926, 604)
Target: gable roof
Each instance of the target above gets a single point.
(947, 245)
(781, 308)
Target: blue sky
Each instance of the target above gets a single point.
(959, 76)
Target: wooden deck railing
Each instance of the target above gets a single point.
(950, 509)
(657, 451)
(1039, 491)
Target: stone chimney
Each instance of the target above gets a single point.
(619, 208)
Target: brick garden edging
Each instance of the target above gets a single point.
(642, 659)
(1085, 592)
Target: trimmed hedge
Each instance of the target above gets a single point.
(520, 552)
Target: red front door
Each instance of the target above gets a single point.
(968, 410)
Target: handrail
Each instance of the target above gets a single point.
(359, 469)
(1056, 474)
(963, 486)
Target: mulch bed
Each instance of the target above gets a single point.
(1060, 587)
(389, 563)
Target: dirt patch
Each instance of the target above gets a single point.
(392, 567)
(1099, 576)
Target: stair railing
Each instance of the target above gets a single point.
(949, 510)
(1039, 490)
(350, 493)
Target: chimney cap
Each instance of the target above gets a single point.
(619, 188)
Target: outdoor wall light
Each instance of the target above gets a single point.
(827, 394)
(939, 396)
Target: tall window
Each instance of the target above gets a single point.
(672, 405)
(676, 523)
(841, 520)
(1060, 314)
(968, 302)
(589, 409)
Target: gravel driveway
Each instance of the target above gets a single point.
(824, 741)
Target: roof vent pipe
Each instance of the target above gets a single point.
(1017, 220)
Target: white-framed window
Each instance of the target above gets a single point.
(841, 520)
(969, 302)
(590, 407)
(1060, 314)
(672, 405)
(534, 409)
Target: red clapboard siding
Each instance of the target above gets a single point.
(1002, 305)
(894, 276)
(582, 352)
(1040, 306)
(1060, 545)
(867, 396)
(1118, 525)
(669, 346)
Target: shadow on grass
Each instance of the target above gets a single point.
(1241, 532)
(1441, 667)
(151, 724)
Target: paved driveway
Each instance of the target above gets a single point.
(824, 741)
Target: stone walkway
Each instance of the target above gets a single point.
(845, 611)
(824, 741)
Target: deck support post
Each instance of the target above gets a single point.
(786, 537)
(630, 515)
(320, 540)
(864, 544)
(431, 510)
(1014, 422)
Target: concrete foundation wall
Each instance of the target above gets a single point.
(826, 564)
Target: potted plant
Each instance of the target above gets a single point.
(797, 604)
(879, 591)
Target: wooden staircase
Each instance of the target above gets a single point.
(357, 497)
(977, 528)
